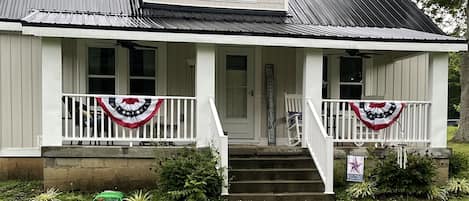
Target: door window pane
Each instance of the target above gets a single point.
(350, 69)
(142, 63)
(101, 61)
(142, 87)
(236, 86)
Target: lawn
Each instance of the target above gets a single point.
(457, 147)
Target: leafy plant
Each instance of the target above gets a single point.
(74, 197)
(140, 196)
(458, 164)
(190, 174)
(437, 193)
(458, 186)
(49, 195)
(362, 190)
(416, 179)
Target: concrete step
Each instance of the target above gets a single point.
(301, 196)
(276, 186)
(271, 162)
(274, 174)
(266, 151)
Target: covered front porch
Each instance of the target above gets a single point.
(215, 95)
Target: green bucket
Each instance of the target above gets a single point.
(109, 196)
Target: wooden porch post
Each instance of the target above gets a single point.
(204, 90)
(312, 85)
(438, 95)
(51, 92)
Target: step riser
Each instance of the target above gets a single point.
(276, 187)
(290, 175)
(251, 164)
(282, 198)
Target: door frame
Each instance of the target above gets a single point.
(253, 60)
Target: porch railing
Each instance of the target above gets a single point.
(341, 123)
(219, 143)
(320, 146)
(84, 120)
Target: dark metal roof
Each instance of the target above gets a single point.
(358, 19)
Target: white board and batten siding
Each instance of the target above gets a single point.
(20, 93)
(404, 78)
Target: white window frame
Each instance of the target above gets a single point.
(361, 83)
(154, 78)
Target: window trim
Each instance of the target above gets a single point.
(361, 83)
(87, 73)
(154, 78)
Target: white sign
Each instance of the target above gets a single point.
(355, 168)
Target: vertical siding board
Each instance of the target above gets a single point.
(397, 80)
(370, 83)
(414, 77)
(381, 80)
(405, 79)
(37, 89)
(26, 92)
(389, 81)
(6, 90)
(16, 61)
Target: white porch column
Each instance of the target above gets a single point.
(312, 84)
(204, 90)
(438, 95)
(51, 92)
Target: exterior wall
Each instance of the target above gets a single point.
(181, 69)
(276, 5)
(20, 91)
(21, 168)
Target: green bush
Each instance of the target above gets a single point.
(340, 174)
(50, 195)
(458, 186)
(363, 190)
(416, 179)
(190, 175)
(458, 164)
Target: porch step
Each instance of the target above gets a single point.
(302, 196)
(273, 174)
(276, 186)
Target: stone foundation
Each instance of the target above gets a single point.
(440, 157)
(21, 168)
(101, 168)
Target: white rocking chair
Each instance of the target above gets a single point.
(294, 118)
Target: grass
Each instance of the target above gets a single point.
(457, 147)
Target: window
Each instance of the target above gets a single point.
(142, 72)
(236, 86)
(351, 71)
(101, 70)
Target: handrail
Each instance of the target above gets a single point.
(128, 96)
(321, 148)
(220, 144)
(373, 101)
(317, 118)
(216, 118)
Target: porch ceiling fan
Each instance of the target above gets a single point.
(357, 53)
(132, 45)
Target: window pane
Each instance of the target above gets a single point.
(324, 90)
(351, 69)
(351, 92)
(101, 61)
(236, 86)
(142, 63)
(142, 87)
(101, 86)
(324, 69)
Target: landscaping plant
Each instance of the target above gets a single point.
(190, 175)
(458, 186)
(50, 195)
(458, 164)
(437, 193)
(140, 196)
(362, 190)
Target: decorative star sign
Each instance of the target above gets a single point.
(355, 165)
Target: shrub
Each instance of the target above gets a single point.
(362, 190)
(140, 196)
(339, 174)
(416, 179)
(74, 197)
(458, 164)
(190, 173)
(49, 195)
(458, 186)
(437, 193)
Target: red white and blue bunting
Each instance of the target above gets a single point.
(377, 116)
(130, 112)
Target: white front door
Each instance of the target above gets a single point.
(235, 91)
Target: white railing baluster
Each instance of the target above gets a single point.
(67, 134)
(172, 120)
(178, 115)
(88, 126)
(185, 119)
(80, 115)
